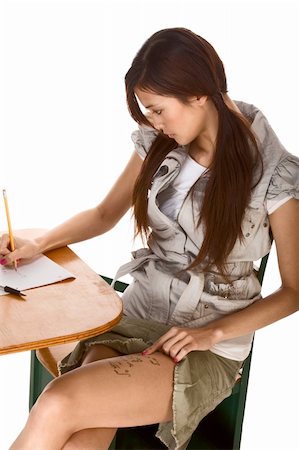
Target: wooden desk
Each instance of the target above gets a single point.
(59, 313)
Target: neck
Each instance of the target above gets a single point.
(202, 149)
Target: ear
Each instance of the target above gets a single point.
(202, 100)
(199, 100)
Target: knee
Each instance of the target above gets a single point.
(52, 406)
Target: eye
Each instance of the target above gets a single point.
(158, 112)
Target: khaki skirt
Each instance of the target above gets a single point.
(201, 380)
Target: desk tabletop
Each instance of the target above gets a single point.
(59, 313)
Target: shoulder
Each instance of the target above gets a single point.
(280, 179)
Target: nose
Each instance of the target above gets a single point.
(157, 124)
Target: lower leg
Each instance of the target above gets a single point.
(91, 439)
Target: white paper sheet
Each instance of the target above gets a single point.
(39, 272)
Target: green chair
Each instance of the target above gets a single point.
(221, 429)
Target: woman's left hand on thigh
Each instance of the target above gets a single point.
(179, 341)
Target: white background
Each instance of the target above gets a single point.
(65, 137)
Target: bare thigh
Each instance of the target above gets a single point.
(93, 438)
(127, 390)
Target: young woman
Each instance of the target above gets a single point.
(207, 181)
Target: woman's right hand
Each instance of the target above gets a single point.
(24, 249)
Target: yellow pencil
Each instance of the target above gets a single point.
(12, 242)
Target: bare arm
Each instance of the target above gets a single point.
(285, 301)
(85, 225)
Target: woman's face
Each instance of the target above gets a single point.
(180, 121)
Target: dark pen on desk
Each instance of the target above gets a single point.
(14, 291)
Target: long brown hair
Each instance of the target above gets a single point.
(177, 63)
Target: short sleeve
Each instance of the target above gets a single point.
(284, 183)
(143, 139)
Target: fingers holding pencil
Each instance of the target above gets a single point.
(7, 256)
(24, 249)
(4, 245)
(11, 250)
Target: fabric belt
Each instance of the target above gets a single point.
(189, 298)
